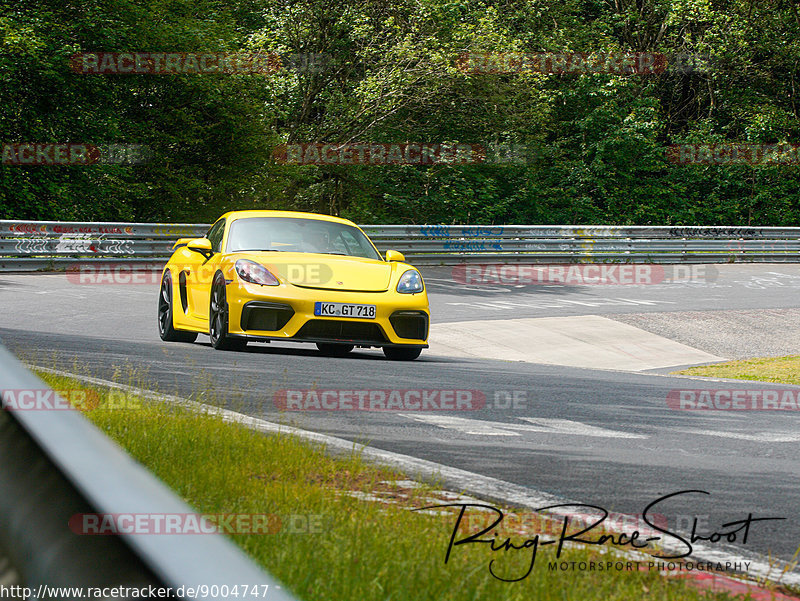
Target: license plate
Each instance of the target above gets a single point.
(344, 310)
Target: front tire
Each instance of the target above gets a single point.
(166, 329)
(218, 319)
(398, 353)
(330, 349)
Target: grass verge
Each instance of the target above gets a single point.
(332, 546)
(781, 370)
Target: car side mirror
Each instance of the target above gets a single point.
(200, 245)
(394, 255)
(181, 242)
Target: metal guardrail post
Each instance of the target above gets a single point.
(56, 464)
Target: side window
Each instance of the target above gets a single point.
(215, 235)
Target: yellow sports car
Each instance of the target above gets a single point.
(299, 277)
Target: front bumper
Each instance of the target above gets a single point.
(286, 312)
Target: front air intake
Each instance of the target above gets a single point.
(410, 324)
(269, 317)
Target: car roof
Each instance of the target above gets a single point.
(233, 215)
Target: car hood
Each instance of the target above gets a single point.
(325, 272)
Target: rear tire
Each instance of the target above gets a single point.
(398, 353)
(218, 319)
(332, 349)
(166, 330)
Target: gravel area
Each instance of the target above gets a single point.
(739, 334)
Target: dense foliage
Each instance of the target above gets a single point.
(595, 141)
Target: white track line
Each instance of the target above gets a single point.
(540, 424)
(758, 437)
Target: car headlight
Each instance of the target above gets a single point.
(410, 282)
(252, 272)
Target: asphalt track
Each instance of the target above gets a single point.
(602, 437)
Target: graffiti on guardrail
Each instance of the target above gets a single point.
(717, 232)
(754, 245)
(30, 246)
(74, 244)
(435, 230)
(26, 228)
(480, 230)
(179, 231)
(87, 243)
(472, 246)
(596, 232)
(30, 228)
(62, 229)
(515, 231)
(448, 231)
(583, 245)
(465, 231)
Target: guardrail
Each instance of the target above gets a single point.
(56, 464)
(47, 245)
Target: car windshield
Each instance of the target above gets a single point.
(299, 235)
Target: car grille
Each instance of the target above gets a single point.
(331, 329)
